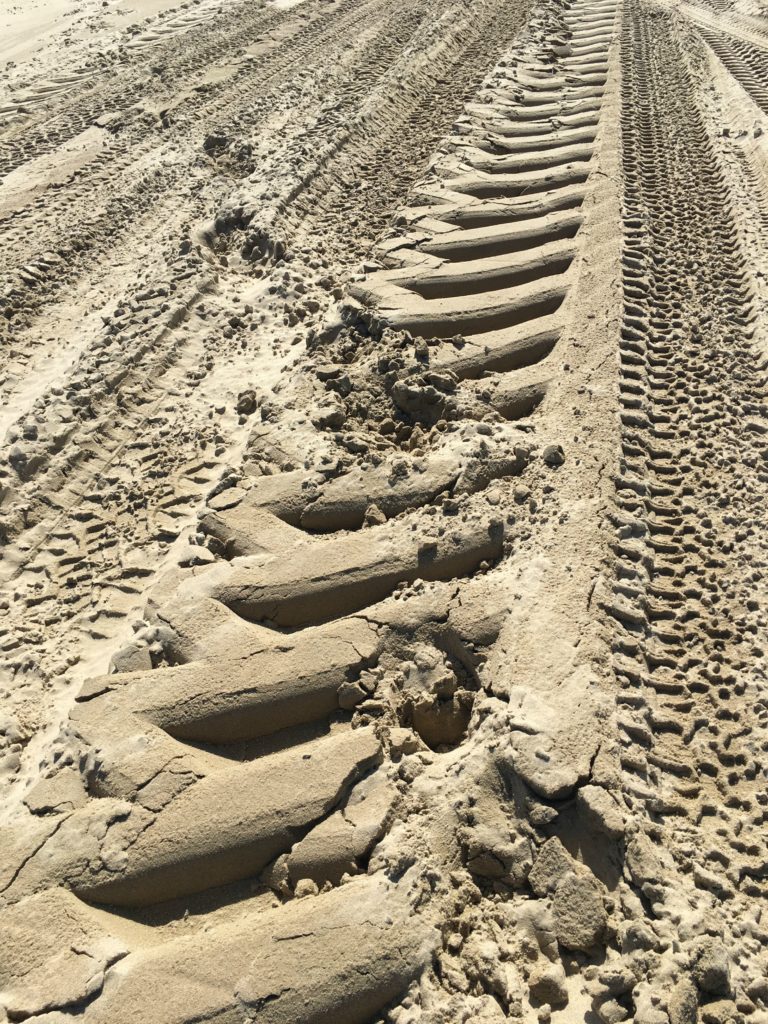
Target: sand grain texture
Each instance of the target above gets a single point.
(382, 509)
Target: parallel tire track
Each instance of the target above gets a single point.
(265, 749)
(747, 63)
(690, 552)
(77, 237)
(57, 478)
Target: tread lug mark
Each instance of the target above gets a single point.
(239, 755)
(681, 608)
(489, 258)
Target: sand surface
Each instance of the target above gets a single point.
(383, 465)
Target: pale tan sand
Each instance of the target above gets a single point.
(382, 488)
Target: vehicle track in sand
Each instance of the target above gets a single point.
(691, 556)
(143, 141)
(445, 554)
(128, 79)
(362, 648)
(695, 556)
(64, 491)
(746, 62)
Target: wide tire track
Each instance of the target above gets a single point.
(265, 749)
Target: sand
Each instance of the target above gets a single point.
(382, 496)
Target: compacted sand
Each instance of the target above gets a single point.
(383, 476)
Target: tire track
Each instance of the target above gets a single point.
(86, 432)
(77, 238)
(161, 185)
(503, 220)
(114, 51)
(181, 59)
(342, 626)
(378, 146)
(689, 555)
(747, 63)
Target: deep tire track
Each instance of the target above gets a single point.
(271, 734)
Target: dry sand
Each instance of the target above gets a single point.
(383, 475)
